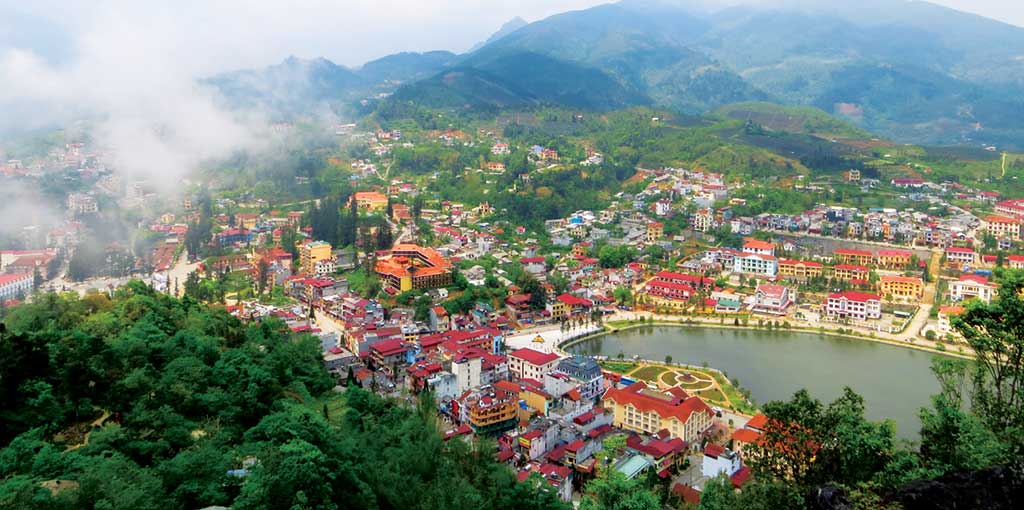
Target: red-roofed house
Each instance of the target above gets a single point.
(641, 409)
(527, 363)
(973, 286)
(771, 298)
(388, 352)
(756, 246)
(15, 286)
(854, 305)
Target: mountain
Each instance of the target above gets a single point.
(510, 26)
(908, 70)
(407, 66)
(643, 46)
(912, 71)
(294, 86)
(521, 79)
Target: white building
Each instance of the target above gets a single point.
(704, 220)
(973, 286)
(752, 263)
(14, 286)
(770, 298)
(854, 305)
(527, 363)
(719, 460)
(467, 373)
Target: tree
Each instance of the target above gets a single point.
(530, 285)
(614, 492)
(623, 294)
(996, 333)
(719, 494)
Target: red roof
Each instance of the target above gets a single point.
(757, 422)
(686, 493)
(807, 263)
(846, 251)
(10, 278)
(713, 450)
(755, 244)
(740, 477)
(746, 435)
(957, 249)
(533, 357)
(532, 260)
(388, 347)
(679, 407)
(851, 267)
(860, 297)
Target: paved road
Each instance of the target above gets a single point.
(180, 271)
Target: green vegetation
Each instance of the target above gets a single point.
(191, 408)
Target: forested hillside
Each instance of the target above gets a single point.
(147, 402)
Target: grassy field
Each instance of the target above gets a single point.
(648, 373)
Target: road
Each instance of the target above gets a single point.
(180, 272)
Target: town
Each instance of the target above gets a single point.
(455, 298)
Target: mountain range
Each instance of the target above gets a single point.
(910, 71)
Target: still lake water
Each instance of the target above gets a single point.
(895, 382)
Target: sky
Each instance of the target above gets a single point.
(248, 33)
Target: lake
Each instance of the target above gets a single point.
(895, 382)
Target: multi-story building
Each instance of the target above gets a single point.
(973, 286)
(15, 286)
(770, 298)
(670, 295)
(901, 287)
(764, 265)
(893, 259)
(957, 256)
(527, 363)
(583, 373)
(410, 266)
(1002, 227)
(648, 411)
(655, 231)
(312, 253)
(854, 305)
(799, 269)
(82, 203)
(758, 247)
(1015, 261)
(491, 413)
(704, 220)
(850, 273)
(370, 200)
(848, 256)
(946, 314)
(1013, 207)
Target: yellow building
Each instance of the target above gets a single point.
(311, 253)
(893, 259)
(850, 272)
(370, 200)
(1002, 227)
(558, 309)
(901, 287)
(655, 231)
(858, 257)
(644, 410)
(800, 269)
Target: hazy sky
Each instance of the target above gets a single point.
(213, 35)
